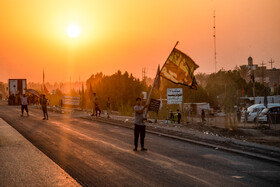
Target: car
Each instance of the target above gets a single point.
(269, 115)
(250, 115)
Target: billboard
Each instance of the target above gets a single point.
(71, 101)
(17, 86)
(174, 95)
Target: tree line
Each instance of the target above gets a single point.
(222, 90)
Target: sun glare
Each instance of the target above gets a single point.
(73, 31)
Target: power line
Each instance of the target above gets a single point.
(215, 54)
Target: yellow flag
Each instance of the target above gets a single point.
(179, 68)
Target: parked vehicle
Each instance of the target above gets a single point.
(16, 88)
(250, 115)
(269, 115)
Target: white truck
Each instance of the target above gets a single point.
(16, 87)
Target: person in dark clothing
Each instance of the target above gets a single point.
(203, 116)
(139, 124)
(172, 118)
(108, 107)
(238, 114)
(96, 108)
(179, 116)
(44, 103)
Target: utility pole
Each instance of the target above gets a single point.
(271, 62)
(143, 74)
(262, 66)
(215, 54)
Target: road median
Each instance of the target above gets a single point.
(211, 140)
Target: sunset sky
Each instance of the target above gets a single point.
(129, 35)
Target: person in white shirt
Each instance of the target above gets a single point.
(24, 104)
(139, 124)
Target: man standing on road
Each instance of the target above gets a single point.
(24, 104)
(96, 108)
(44, 103)
(108, 107)
(96, 103)
(139, 124)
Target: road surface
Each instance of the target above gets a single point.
(98, 154)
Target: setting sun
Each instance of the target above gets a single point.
(73, 31)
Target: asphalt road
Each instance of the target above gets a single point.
(98, 154)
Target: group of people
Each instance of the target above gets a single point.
(139, 111)
(43, 100)
(175, 116)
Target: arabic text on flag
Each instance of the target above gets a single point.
(179, 68)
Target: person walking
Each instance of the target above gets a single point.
(96, 103)
(139, 124)
(93, 104)
(24, 103)
(203, 116)
(179, 116)
(44, 103)
(108, 107)
(96, 108)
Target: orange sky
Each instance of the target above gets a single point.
(128, 35)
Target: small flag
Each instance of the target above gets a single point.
(157, 83)
(179, 69)
(33, 92)
(46, 90)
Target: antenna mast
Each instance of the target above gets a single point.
(214, 27)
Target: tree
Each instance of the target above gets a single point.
(121, 88)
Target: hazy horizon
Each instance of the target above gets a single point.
(128, 36)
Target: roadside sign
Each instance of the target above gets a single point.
(144, 95)
(71, 101)
(154, 105)
(174, 95)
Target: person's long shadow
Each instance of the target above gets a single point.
(36, 123)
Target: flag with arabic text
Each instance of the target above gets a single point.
(179, 69)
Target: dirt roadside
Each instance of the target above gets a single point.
(260, 134)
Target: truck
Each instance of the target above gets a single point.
(16, 87)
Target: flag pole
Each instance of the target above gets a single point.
(148, 99)
(44, 81)
(169, 55)
(157, 77)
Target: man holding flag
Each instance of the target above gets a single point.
(139, 124)
(179, 68)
